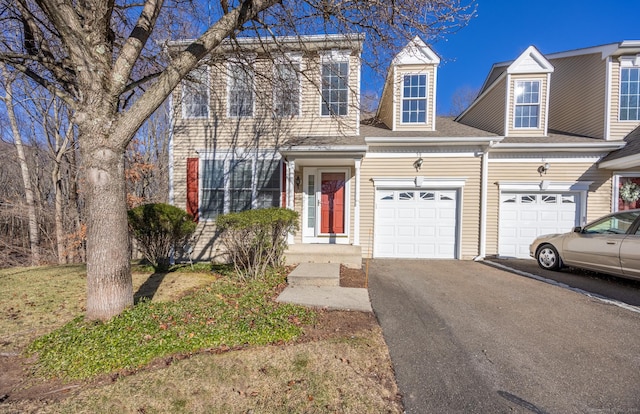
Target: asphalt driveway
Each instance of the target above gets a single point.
(466, 337)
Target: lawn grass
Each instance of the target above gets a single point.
(190, 345)
(226, 314)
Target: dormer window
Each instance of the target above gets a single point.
(527, 101)
(630, 94)
(414, 99)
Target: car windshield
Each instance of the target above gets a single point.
(615, 224)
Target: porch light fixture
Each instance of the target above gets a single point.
(543, 168)
(298, 181)
(417, 164)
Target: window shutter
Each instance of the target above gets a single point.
(192, 187)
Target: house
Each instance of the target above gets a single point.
(279, 124)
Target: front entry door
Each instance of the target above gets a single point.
(332, 203)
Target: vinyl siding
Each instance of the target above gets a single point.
(577, 99)
(385, 111)
(489, 112)
(527, 132)
(454, 166)
(525, 171)
(618, 129)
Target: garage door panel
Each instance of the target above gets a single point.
(416, 224)
(525, 216)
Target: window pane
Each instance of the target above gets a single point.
(195, 94)
(335, 88)
(414, 101)
(240, 90)
(630, 94)
(287, 90)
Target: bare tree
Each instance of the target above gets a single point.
(97, 56)
(461, 99)
(34, 233)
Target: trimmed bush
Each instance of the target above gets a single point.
(160, 229)
(256, 239)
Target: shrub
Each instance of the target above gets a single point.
(256, 239)
(160, 229)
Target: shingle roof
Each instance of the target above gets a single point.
(632, 147)
(445, 127)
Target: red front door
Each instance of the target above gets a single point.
(332, 203)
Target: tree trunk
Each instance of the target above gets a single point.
(34, 235)
(109, 285)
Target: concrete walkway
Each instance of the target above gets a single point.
(318, 285)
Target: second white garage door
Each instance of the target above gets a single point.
(416, 224)
(524, 216)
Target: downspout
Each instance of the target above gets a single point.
(356, 213)
(484, 179)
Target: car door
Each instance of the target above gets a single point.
(597, 246)
(630, 255)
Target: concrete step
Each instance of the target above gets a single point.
(346, 254)
(315, 274)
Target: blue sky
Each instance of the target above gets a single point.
(505, 28)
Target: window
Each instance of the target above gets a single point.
(527, 109)
(630, 94)
(230, 185)
(414, 99)
(335, 88)
(240, 90)
(195, 94)
(286, 93)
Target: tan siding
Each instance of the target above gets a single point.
(430, 71)
(385, 111)
(577, 101)
(598, 197)
(489, 112)
(527, 132)
(619, 129)
(449, 167)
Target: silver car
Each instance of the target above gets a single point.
(610, 244)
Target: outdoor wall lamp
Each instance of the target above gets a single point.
(298, 181)
(543, 168)
(417, 164)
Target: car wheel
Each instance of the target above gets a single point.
(548, 257)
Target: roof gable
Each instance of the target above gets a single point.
(530, 61)
(416, 52)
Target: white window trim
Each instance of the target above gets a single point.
(516, 104)
(227, 157)
(426, 98)
(616, 186)
(293, 59)
(249, 62)
(626, 62)
(335, 56)
(208, 91)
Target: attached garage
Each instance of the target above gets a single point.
(526, 215)
(416, 223)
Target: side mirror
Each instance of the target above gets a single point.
(577, 229)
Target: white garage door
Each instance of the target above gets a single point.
(415, 224)
(525, 216)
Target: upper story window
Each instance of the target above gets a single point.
(286, 93)
(335, 87)
(527, 105)
(630, 94)
(414, 99)
(240, 90)
(195, 94)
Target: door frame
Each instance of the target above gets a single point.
(311, 234)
